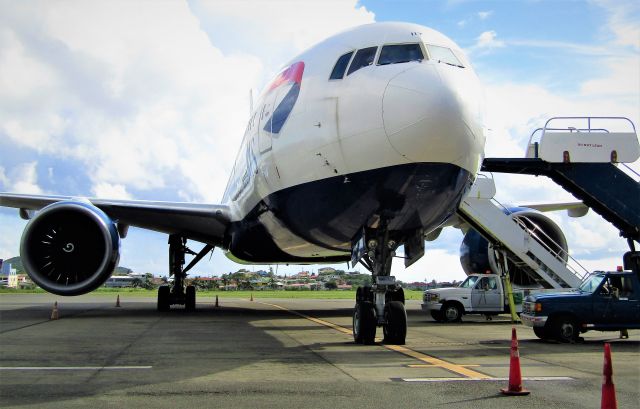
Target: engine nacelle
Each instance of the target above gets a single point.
(477, 256)
(70, 248)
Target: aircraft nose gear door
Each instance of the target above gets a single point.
(382, 304)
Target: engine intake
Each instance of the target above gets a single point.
(70, 248)
(477, 256)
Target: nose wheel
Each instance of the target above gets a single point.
(382, 303)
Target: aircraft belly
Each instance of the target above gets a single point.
(316, 221)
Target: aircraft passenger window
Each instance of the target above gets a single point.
(443, 54)
(363, 58)
(396, 54)
(340, 67)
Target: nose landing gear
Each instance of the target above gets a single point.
(382, 304)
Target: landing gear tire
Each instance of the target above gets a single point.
(164, 298)
(540, 332)
(452, 313)
(437, 315)
(364, 323)
(364, 294)
(190, 298)
(395, 329)
(397, 295)
(565, 329)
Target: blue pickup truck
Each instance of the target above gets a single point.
(605, 301)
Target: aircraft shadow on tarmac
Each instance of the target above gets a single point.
(179, 346)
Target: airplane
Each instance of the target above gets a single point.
(364, 143)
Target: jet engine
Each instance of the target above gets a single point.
(477, 255)
(70, 248)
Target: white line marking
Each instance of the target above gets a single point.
(71, 368)
(534, 378)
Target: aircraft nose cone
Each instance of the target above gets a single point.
(423, 117)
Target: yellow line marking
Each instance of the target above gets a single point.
(431, 366)
(438, 362)
(430, 360)
(316, 320)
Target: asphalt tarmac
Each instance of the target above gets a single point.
(276, 353)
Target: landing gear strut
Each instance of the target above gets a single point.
(382, 304)
(178, 293)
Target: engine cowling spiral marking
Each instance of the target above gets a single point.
(68, 248)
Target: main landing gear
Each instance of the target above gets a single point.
(178, 294)
(382, 304)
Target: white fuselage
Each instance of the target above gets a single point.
(380, 116)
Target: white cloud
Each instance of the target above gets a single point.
(4, 180)
(12, 226)
(622, 21)
(438, 264)
(483, 15)
(461, 23)
(109, 191)
(285, 24)
(22, 178)
(487, 40)
(144, 96)
(622, 80)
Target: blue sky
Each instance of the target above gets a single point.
(149, 100)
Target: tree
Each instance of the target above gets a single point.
(331, 285)
(143, 283)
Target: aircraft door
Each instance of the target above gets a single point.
(485, 296)
(265, 141)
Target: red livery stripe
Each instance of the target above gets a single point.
(289, 75)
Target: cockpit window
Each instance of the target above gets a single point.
(443, 54)
(340, 67)
(399, 53)
(362, 59)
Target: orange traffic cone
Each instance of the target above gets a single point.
(515, 378)
(608, 389)
(54, 312)
(118, 301)
(217, 302)
(251, 297)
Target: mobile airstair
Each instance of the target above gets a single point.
(589, 161)
(543, 260)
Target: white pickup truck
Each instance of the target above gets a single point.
(478, 294)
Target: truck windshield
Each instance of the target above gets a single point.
(469, 282)
(591, 283)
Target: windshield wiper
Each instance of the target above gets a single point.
(451, 64)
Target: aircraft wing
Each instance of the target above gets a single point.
(574, 209)
(206, 223)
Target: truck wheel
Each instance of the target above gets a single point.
(437, 315)
(452, 312)
(565, 329)
(540, 332)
